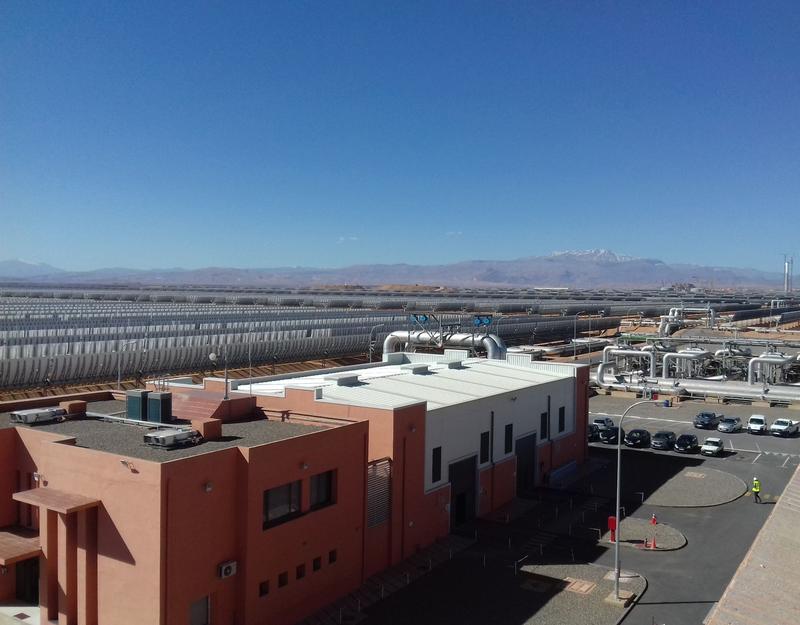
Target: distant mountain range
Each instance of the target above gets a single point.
(582, 269)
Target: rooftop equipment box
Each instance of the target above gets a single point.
(136, 404)
(159, 407)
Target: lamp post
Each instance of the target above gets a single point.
(250, 357)
(371, 344)
(619, 481)
(119, 362)
(575, 335)
(214, 357)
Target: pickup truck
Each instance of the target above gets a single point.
(784, 427)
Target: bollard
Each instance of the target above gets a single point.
(623, 511)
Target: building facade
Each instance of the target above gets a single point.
(331, 477)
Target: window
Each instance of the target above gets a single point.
(198, 612)
(509, 438)
(484, 447)
(562, 419)
(281, 504)
(436, 464)
(283, 579)
(263, 589)
(316, 564)
(300, 572)
(322, 487)
(332, 555)
(543, 427)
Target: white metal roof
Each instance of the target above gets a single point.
(394, 386)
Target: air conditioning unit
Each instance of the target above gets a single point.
(172, 438)
(226, 569)
(38, 415)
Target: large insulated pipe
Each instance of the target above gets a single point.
(687, 354)
(493, 344)
(773, 358)
(608, 353)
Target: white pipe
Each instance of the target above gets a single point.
(493, 344)
(615, 351)
(772, 359)
(682, 355)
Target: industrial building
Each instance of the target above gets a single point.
(301, 488)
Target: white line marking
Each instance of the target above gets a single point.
(756, 459)
(759, 448)
(785, 461)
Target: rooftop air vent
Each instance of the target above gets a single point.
(450, 364)
(415, 368)
(343, 379)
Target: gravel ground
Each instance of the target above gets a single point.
(698, 487)
(635, 531)
(572, 606)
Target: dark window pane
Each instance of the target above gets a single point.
(484, 447)
(316, 564)
(283, 579)
(263, 589)
(509, 437)
(322, 488)
(436, 464)
(543, 426)
(281, 504)
(332, 555)
(562, 419)
(300, 573)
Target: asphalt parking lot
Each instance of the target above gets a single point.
(740, 447)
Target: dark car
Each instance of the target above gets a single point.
(637, 438)
(609, 435)
(592, 432)
(686, 444)
(663, 440)
(707, 420)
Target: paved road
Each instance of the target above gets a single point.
(740, 447)
(684, 584)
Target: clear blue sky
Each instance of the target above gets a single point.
(328, 133)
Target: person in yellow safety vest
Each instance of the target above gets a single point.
(756, 490)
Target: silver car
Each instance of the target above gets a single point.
(730, 424)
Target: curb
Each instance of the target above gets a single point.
(633, 603)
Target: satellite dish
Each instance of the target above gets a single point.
(212, 357)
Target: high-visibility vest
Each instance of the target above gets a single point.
(756, 486)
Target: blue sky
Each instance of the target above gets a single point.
(333, 133)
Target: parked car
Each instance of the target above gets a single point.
(757, 424)
(686, 444)
(592, 432)
(637, 438)
(610, 435)
(712, 447)
(783, 427)
(707, 420)
(730, 424)
(603, 423)
(663, 440)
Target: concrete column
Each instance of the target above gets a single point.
(87, 567)
(48, 571)
(67, 569)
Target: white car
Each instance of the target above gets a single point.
(757, 424)
(783, 427)
(603, 423)
(712, 447)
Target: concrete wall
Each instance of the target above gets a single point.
(339, 527)
(457, 429)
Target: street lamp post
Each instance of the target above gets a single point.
(619, 481)
(214, 357)
(575, 335)
(250, 357)
(119, 362)
(371, 344)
